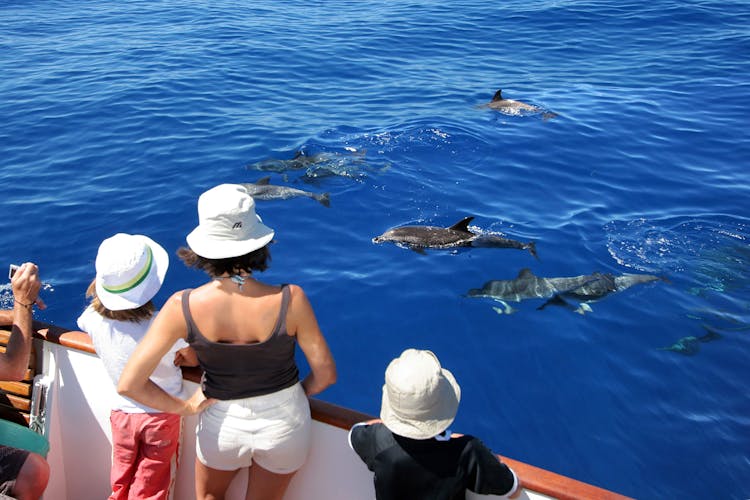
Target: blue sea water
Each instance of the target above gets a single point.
(117, 115)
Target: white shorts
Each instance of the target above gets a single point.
(272, 430)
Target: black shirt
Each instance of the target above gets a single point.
(414, 469)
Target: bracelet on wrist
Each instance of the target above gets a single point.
(27, 306)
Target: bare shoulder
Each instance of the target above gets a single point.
(175, 299)
(300, 316)
(298, 297)
(173, 305)
(295, 290)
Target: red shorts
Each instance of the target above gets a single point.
(145, 449)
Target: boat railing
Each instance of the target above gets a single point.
(332, 470)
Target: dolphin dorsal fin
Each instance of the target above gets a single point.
(525, 273)
(462, 225)
(264, 181)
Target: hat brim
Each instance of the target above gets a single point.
(210, 247)
(443, 415)
(144, 292)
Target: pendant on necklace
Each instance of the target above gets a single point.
(240, 280)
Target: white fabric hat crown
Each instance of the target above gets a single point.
(130, 269)
(227, 224)
(420, 399)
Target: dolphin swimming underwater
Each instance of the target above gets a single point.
(418, 238)
(586, 288)
(299, 161)
(513, 107)
(688, 346)
(324, 164)
(263, 190)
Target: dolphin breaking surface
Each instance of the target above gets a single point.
(515, 108)
(418, 238)
(584, 289)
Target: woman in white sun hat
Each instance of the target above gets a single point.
(130, 269)
(244, 333)
(411, 450)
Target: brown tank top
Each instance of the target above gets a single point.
(235, 371)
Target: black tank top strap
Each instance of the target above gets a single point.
(285, 298)
(187, 315)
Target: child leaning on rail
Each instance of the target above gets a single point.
(130, 269)
(410, 449)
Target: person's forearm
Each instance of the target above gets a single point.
(154, 396)
(16, 356)
(313, 384)
(6, 317)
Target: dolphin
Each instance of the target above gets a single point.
(689, 346)
(299, 161)
(584, 289)
(263, 190)
(317, 165)
(418, 238)
(513, 107)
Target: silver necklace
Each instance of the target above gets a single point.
(239, 279)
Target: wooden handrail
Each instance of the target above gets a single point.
(15, 396)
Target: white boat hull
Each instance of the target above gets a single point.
(77, 426)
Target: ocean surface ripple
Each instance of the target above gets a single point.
(116, 116)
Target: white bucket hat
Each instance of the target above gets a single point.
(227, 224)
(420, 399)
(130, 269)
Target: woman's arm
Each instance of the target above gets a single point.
(168, 326)
(301, 322)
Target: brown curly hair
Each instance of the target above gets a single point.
(257, 260)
